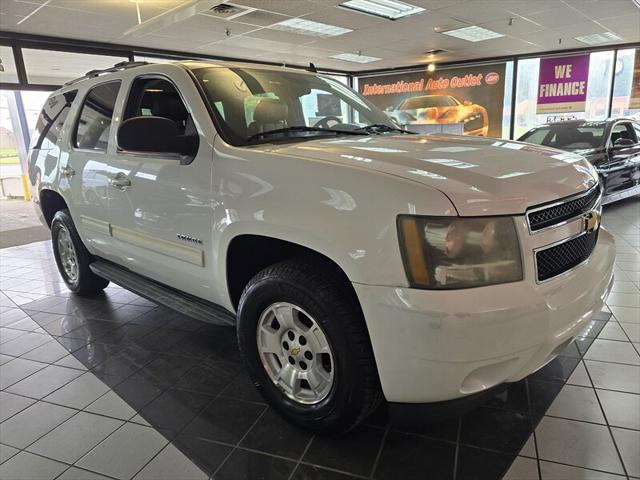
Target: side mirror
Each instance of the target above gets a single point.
(623, 143)
(155, 135)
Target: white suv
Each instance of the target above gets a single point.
(356, 261)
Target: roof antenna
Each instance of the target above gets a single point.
(312, 68)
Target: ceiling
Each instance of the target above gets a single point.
(528, 26)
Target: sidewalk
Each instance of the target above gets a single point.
(19, 224)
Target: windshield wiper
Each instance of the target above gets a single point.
(381, 127)
(301, 128)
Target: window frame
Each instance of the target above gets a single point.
(37, 145)
(629, 127)
(184, 160)
(74, 133)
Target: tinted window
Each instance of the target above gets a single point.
(248, 103)
(622, 130)
(535, 136)
(94, 123)
(567, 137)
(51, 120)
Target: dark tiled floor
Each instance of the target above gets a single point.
(84, 380)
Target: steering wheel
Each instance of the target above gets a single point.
(324, 122)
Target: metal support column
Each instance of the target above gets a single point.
(21, 132)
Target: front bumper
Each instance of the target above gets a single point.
(433, 346)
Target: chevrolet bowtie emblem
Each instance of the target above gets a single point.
(591, 221)
(295, 351)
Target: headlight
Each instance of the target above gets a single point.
(453, 252)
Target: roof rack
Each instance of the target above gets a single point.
(116, 68)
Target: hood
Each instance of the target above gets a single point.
(480, 176)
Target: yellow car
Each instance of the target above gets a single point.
(443, 109)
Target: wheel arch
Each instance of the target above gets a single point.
(50, 203)
(248, 254)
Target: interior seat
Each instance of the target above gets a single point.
(270, 114)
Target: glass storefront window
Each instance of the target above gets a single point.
(598, 91)
(47, 67)
(508, 93)
(32, 102)
(8, 72)
(599, 88)
(623, 82)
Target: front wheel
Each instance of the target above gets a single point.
(73, 258)
(302, 335)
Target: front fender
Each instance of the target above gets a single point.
(345, 213)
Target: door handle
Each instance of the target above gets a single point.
(120, 181)
(67, 171)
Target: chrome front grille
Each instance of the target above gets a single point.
(549, 215)
(557, 259)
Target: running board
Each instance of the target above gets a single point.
(156, 292)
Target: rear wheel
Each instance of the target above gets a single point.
(72, 257)
(302, 335)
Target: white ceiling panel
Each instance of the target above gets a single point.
(528, 7)
(280, 36)
(199, 29)
(153, 40)
(20, 9)
(537, 25)
(229, 51)
(119, 8)
(434, 4)
(292, 8)
(346, 18)
(560, 16)
(476, 11)
(598, 9)
(260, 18)
(46, 67)
(519, 26)
(629, 23)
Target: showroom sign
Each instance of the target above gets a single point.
(472, 97)
(562, 84)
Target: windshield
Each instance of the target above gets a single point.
(429, 102)
(567, 137)
(248, 103)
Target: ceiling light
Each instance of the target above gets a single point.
(597, 38)
(473, 33)
(309, 27)
(431, 67)
(354, 57)
(391, 9)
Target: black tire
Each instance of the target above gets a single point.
(86, 283)
(330, 300)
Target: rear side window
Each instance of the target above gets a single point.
(51, 120)
(94, 122)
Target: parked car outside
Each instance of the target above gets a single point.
(441, 109)
(612, 146)
(356, 261)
